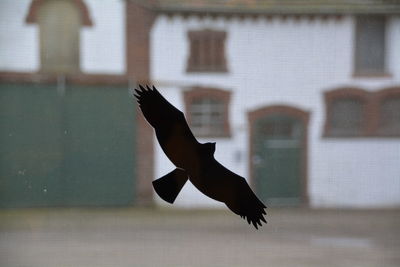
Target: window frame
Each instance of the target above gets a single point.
(357, 72)
(200, 36)
(223, 96)
(380, 97)
(371, 112)
(341, 94)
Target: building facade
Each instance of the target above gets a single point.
(303, 101)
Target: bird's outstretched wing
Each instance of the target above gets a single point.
(245, 203)
(172, 130)
(159, 112)
(156, 109)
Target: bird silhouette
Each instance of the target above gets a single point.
(194, 161)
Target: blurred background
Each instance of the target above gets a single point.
(301, 96)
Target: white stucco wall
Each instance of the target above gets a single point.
(19, 41)
(291, 63)
(102, 46)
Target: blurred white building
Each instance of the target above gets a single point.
(302, 98)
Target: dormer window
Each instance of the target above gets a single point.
(59, 22)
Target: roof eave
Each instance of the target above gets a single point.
(286, 11)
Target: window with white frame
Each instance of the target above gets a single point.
(207, 111)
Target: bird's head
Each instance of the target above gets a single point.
(210, 147)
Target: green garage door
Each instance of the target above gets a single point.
(277, 159)
(66, 149)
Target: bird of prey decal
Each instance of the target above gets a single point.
(194, 161)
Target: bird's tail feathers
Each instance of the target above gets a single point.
(169, 186)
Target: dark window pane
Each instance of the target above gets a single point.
(370, 45)
(195, 52)
(346, 117)
(206, 51)
(390, 116)
(279, 127)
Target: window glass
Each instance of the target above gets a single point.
(370, 45)
(207, 51)
(207, 116)
(390, 116)
(346, 117)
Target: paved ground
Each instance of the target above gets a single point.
(134, 237)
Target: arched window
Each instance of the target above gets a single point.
(354, 112)
(207, 111)
(346, 114)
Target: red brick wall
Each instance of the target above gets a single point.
(139, 21)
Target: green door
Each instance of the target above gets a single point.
(70, 149)
(277, 161)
